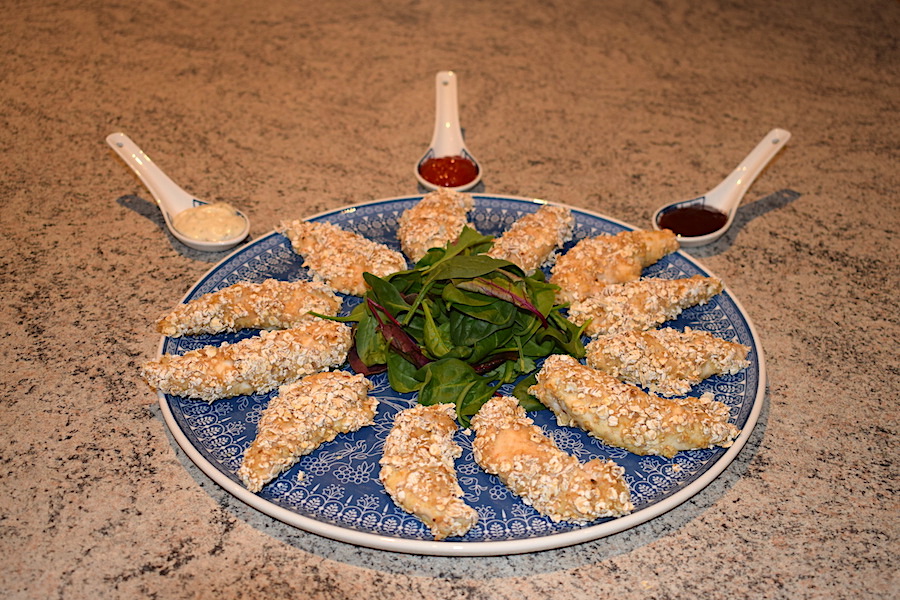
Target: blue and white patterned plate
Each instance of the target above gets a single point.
(340, 496)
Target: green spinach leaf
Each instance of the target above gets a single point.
(460, 325)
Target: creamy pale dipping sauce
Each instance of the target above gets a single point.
(209, 222)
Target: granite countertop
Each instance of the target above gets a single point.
(287, 109)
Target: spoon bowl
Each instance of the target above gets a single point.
(725, 197)
(447, 139)
(170, 198)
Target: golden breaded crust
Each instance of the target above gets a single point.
(531, 240)
(271, 304)
(339, 257)
(252, 366)
(666, 361)
(508, 444)
(641, 305)
(596, 262)
(303, 416)
(622, 415)
(436, 219)
(418, 471)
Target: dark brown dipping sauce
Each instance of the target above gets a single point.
(691, 221)
(448, 171)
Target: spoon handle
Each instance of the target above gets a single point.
(447, 139)
(738, 182)
(168, 195)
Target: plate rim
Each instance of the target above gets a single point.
(463, 548)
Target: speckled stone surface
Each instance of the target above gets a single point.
(288, 108)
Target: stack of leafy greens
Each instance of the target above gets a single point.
(459, 325)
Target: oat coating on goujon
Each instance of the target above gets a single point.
(303, 416)
(595, 262)
(438, 218)
(271, 304)
(641, 305)
(254, 365)
(532, 239)
(508, 444)
(339, 257)
(418, 470)
(666, 361)
(624, 416)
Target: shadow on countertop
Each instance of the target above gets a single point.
(461, 569)
(746, 213)
(151, 212)
(492, 567)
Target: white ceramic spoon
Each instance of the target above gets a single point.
(726, 196)
(170, 198)
(447, 139)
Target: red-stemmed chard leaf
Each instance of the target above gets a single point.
(489, 288)
(495, 361)
(393, 333)
(360, 367)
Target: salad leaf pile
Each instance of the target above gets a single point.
(459, 325)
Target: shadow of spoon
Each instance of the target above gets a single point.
(744, 214)
(150, 210)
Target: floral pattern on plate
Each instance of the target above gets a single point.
(340, 495)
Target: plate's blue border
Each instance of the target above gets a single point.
(238, 266)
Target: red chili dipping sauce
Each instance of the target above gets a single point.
(448, 171)
(691, 221)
